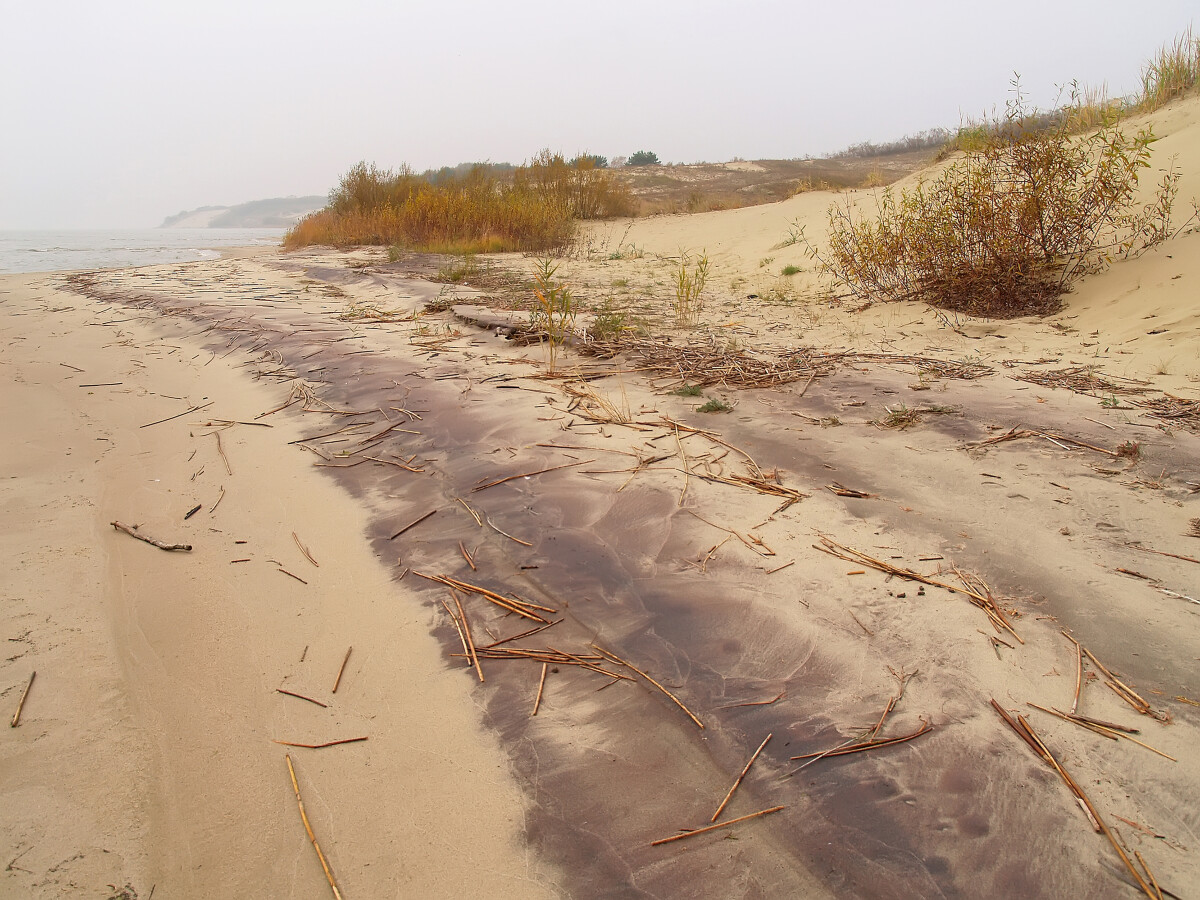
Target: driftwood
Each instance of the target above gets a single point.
(132, 531)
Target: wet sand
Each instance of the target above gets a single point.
(639, 560)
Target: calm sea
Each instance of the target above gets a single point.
(59, 251)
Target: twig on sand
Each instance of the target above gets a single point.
(729, 796)
(191, 512)
(16, 719)
(301, 697)
(870, 744)
(412, 524)
(177, 415)
(484, 487)
(1122, 690)
(345, 659)
(308, 828)
(1104, 729)
(496, 529)
(224, 458)
(291, 575)
(466, 627)
(304, 550)
(220, 497)
(614, 658)
(353, 740)
(688, 834)
(541, 686)
(131, 530)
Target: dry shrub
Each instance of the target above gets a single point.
(1172, 72)
(1027, 209)
(534, 210)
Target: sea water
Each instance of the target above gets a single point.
(68, 250)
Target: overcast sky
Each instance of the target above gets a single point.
(117, 114)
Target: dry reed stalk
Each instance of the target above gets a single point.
(1190, 559)
(496, 529)
(541, 686)
(490, 484)
(686, 473)
(707, 828)
(523, 634)
(220, 497)
(224, 458)
(308, 828)
(467, 556)
(302, 697)
(466, 627)
(304, 550)
(16, 719)
(1104, 729)
(1078, 677)
(520, 607)
(345, 659)
(412, 524)
(614, 658)
(872, 744)
(177, 415)
(131, 530)
(1122, 690)
(774, 699)
(1030, 737)
(729, 796)
(338, 743)
(291, 575)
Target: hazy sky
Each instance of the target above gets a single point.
(117, 114)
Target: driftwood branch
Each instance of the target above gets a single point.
(131, 530)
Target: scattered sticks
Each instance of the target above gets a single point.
(972, 588)
(1122, 690)
(729, 796)
(132, 531)
(16, 719)
(521, 607)
(1025, 731)
(1105, 729)
(308, 828)
(707, 828)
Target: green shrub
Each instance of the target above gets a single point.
(643, 158)
(1010, 225)
(789, 271)
(714, 405)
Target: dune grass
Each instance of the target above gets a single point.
(532, 209)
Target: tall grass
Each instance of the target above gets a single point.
(1172, 72)
(534, 209)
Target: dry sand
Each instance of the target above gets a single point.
(144, 754)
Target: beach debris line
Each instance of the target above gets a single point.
(16, 719)
(1147, 884)
(132, 531)
(308, 828)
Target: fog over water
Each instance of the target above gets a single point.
(120, 114)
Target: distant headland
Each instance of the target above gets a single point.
(277, 212)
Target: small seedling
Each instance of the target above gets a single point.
(688, 390)
(714, 405)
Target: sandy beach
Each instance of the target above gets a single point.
(902, 516)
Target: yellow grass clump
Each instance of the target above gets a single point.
(533, 210)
